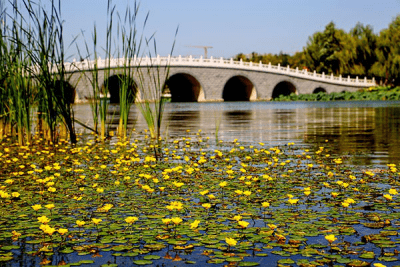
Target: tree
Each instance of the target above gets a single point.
(387, 65)
(366, 43)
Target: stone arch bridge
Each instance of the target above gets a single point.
(200, 80)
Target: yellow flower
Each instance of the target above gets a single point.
(166, 220)
(43, 219)
(272, 226)
(393, 191)
(243, 224)
(239, 192)
(204, 192)
(265, 204)
(330, 238)
(194, 224)
(350, 201)
(176, 220)
(96, 221)
(223, 184)
(345, 204)
(62, 231)
(52, 189)
(80, 223)
(15, 194)
(289, 195)
(379, 265)
(211, 196)
(50, 206)
(131, 220)
(334, 194)
(247, 193)
(15, 234)
(307, 193)
(99, 190)
(388, 197)
(230, 241)
(206, 205)
(37, 207)
(237, 217)
(293, 201)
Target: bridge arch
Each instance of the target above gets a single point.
(65, 90)
(239, 88)
(319, 90)
(114, 84)
(184, 88)
(283, 88)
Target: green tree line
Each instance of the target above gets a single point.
(359, 52)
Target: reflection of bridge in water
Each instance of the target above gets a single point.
(199, 80)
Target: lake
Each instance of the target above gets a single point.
(371, 129)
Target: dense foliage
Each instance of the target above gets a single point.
(359, 52)
(379, 93)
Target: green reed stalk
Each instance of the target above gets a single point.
(44, 31)
(131, 47)
(151, 85)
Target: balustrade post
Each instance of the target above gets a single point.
(332, 76)
(201, 59)
(348, 78)
(269, 65)
(288, 68)
(251, 64)
(190, 58)
(211, 59)
(297, 69)
(260, 65)
(315, 73)
(373, 80)
(340, 77)
(323, 75)
(231, 61)
(279, 66)
(241, 62)
(179, 58)
(221, 60)
(365, 79)
(356, 79)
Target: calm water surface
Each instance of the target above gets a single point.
(371, 129)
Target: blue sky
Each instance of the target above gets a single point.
(233, 26)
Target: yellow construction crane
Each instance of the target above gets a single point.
(201, 46)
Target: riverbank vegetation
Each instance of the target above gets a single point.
(203, 203)
(373, 93)
(359, 52)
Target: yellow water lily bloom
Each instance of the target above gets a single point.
(393, 191)
(50, 206)
(243, 224)
(223, 184)
(230, 241)
(237, 217)
(289, 195)
(62, 231)
(330, 238)
(205, 192)
(345, 204)
(206, 205)
(37, 207)
(131, 220)
(166, 220)
(334, 194)
(272, 226)
(15, 234)
(247, 193)
(307, 193)
(43, 219)
(80, 223)
(176, 220)
(388, 197)
(96, 221)
(194, 224)
(238, 192)
(379, 265)
(265, 204)
(293, 201)
(15, 194)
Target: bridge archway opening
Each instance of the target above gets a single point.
(319, 90)
(115, 84)
(239, 88)
(184, 87)
(64, 90)
(283, 88)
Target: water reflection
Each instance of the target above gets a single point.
(371, 128)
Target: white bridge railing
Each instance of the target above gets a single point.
(216, 63)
